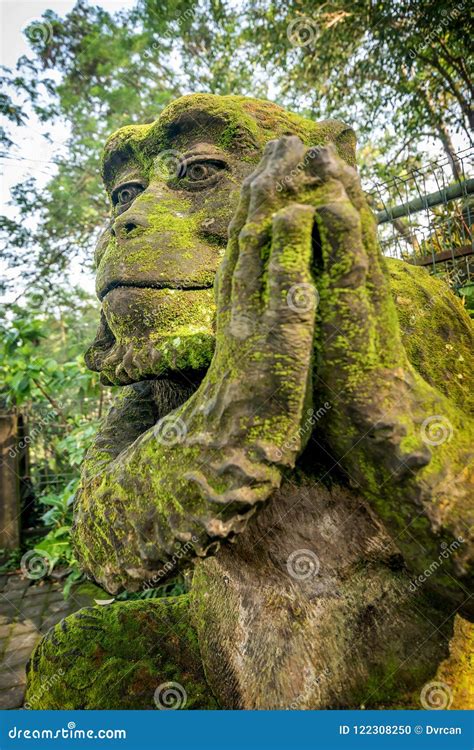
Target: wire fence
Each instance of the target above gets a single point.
(426, 217)
(50, 448)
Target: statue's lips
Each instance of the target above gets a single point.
(165, 285)
(148, 320)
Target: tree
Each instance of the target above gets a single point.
(395, 71)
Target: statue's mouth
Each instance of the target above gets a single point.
(184, 286)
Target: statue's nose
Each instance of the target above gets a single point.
(126, 223)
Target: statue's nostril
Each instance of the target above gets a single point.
(129, 227)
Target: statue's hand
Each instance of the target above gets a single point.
(197, 476)
(257, 391)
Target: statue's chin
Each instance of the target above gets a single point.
(142, 360)
(153, 333)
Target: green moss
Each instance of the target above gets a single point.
(116, 656)
(457, 671)
(233, 121)
(436, 331)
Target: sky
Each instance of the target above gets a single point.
(34, 157)
(16, 14)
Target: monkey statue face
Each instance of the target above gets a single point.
(174, 186)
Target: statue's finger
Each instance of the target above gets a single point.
(326, 163)
(248, 281)
(354, 263)
(225, 274)
(290, 290)
(248, 278)
(346, 311)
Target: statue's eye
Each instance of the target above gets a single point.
(200, 171)
(125, 194)
(194, 174)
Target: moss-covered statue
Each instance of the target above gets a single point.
(292, 426)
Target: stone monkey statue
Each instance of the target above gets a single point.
(292, 424)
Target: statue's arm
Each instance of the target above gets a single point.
(196, 476)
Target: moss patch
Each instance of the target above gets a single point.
(437, 333)
(117, 656)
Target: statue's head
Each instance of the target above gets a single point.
(174, 185)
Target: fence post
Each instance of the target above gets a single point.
(10, 507)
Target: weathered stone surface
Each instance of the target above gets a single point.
(291, 414)
(12, 677)
(12, 698)
(457, 671)
(124, 654)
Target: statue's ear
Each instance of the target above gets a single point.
(346, 143)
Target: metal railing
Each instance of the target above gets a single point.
(426, 217)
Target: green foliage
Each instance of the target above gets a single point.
(467, 293)
(9, 559)
(175, 587)
(56, 545)
(396, 72)
(45, 380)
